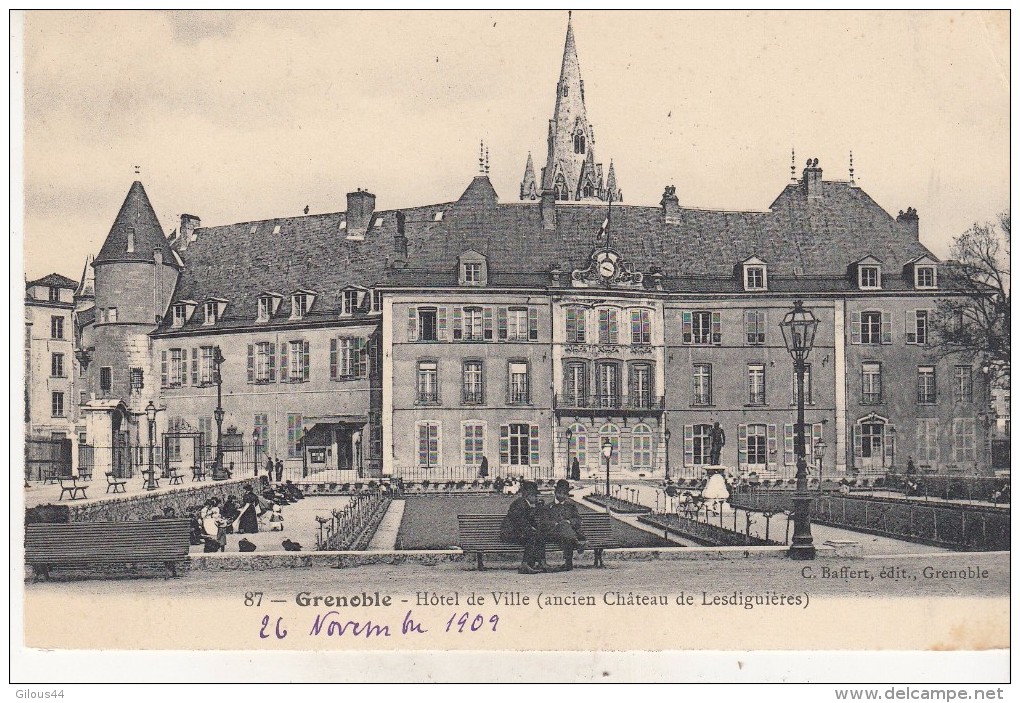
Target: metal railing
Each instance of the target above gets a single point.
(352, 527)
(610, 401)
(444, 474)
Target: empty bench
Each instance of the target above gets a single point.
(479, 535)
(87, 544)
(69, 486)
(119, 485)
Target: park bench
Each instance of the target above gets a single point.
(51, 476)
(197, 474)
(479, 534)
(70, 486)
(87, 544)
(118, 485)
(85, 473)
(176, 477)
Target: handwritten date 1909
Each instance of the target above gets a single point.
(335, 624)
(465, 620)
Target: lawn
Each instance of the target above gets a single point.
(430, 522)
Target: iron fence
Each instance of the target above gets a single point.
(442, 474)
(353, 526)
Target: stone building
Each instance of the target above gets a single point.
(50, 406)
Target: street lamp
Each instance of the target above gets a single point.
(820, 448)
(665, 436)
(150, 475)
(217, 360)
(799, 327)
(607, 452)
(570, 434)
(255, 444)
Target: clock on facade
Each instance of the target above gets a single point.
(606, 265)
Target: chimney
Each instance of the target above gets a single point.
(360, 206)
(548, 209)
(813, 179)
(400, 242)
(909, 221)
(670, 206)
(186, 232)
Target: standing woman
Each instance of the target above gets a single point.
(248, 521)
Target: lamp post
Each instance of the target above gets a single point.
(150, 475)
(607, 452)
(799, 327)
(820, 448)
(570, 435)
(665, 436)
(217, 360)
(255, 444)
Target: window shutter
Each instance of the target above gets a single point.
(487, 323)
(742, 445)
(501, 323)
(504, 444)
(284, 365)
(762, 326)
(533, 324)
(716, 328)
(750, 318)
(332, 359)
(889, 442)
(687, 326)
(614, 328)
(635, 327)
(910, 326)
(772, 445)
(582, 320)
(688, 445)
(272, 361)
(412, 324)
(361, 371)
(886, 328)
(788, 457)
(251, 363)
(441, 324)
(857, 443)
(306, 360)
(855, 327)
(194, 366)
(534, 445)
(458, 332)
(163, 380)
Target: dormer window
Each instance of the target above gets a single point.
(299, 304)
(754, 278)
(180, 313)
(378, 222)
(276, 229)
(377, 301)
(473, 272)
(924, 277)
(211, 312)
(438, 217)
(349, 302)
(869, 276)
(473, 269)
(268, 303)
(54, 294)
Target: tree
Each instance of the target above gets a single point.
(974, 324)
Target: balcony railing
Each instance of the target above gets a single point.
(640, 401)
(472, 397)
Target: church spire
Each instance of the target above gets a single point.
(529, 188)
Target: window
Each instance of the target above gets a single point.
(180, 314)
(575, 325)
(211, 310)
(640, 327)
(701, 327)
(294, 366)
(474, 443)
(111, 314)
(130, 239)
(57, 365)
(517, 324)
(349, 302)
(472, 272)
(520, 391)
(473, 391)
(347, 358)
(299, 305)
(608, 381)
(377, 299)
(702, 384)
(916, 327)
(206, 368)
(963, 439)
(642, 440)
(276, 229)
(427, 324)
(56, 327)
(428, 444)
(807, 386)
(577, 445)
(924, 277)
(265, 308)
(136, 379)
(473, 326)
(871, 382)
(697, 445)
(927, 446)
(963, 384)
(640, 386)
(608, 327)
(870, 327)
(428, 382)
(106, 378)
(54, 294)
(295, 432)
(518, 445)
(579, 143)
(789, 443)
(261, 423)
(869, 276)
(754, 327)
(575, 384)
(264, 362)
(756, 384)
(754, 278)
(926, 385)
(757, 445)
(57, 405)
(610, 433)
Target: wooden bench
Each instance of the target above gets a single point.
(85, 473)
(145, 479)
(70, 486)
(85, 544)
(176, 477)
(479, 534)
(119, 485)
(52, 476)
(197, 474)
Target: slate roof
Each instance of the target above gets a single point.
(136, 212)
(55, 280)
(808, 245)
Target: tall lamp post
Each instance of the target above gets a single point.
(217, 360)
(150, 475)
(255, 444)
(665, 436)
(607, 452)
(820, 448)
(799, 327)
(570, 435)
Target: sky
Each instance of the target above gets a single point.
(243, 116)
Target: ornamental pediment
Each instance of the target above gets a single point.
(607, 269)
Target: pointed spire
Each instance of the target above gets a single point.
(136, 222)
(529, 188)
(612, 189)
(87, 284)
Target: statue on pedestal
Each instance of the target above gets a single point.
(718, 439)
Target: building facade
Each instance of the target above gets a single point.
(50, 406)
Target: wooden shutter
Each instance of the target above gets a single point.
(688, 445)
(487, 323)
(306, 360)
(771, 444)
(886, 328)
(889, 444)
(164, 381)
(857, 444)
(332, 359)
(361, 358)
(458, 331)
(284, 365)
(272, 361)
(533, 324)
(716, 328)
(501, 323)
(504, 444)
(534, 445)
(581, 315)
(183, 378)
(910, 326)
(412, 324)
(789, 457)
(687, 326)
(855, 327)
(742, 445)
(441, 324)
(251, 363)
(194, 366)
(614, 327)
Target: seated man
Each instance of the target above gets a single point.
(520, 526)
(563, 524)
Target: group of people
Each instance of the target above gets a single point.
(531, 523)
(273, 468)
(219, 518)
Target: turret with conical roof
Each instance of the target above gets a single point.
(529, 187)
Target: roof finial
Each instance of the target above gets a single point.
(486, 161)
(138, 170)
(481, 156)
(851, 167)
(570, 14)
(793, 164)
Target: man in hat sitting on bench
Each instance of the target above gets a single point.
(521, 526)
(563, 524)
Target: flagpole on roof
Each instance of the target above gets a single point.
(609, 217)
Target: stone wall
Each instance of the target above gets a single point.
(144, 507)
